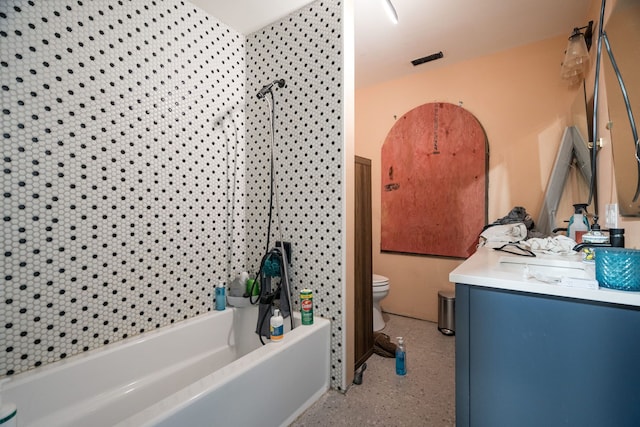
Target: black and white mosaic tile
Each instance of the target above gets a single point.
(304, 49)
(129, 186)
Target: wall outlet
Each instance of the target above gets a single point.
(611, 219)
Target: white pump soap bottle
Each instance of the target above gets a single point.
(8, 411)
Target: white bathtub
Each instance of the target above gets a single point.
(206, 371)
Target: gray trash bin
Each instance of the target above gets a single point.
(446, 312)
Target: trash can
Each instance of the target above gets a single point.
(446, 312)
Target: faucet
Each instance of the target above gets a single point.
(595, 229)
(582, 245)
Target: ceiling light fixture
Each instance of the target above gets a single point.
(576, 58)
(391, 11)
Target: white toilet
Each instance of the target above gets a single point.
(380, 290)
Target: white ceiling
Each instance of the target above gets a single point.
(247, 16)
(461, 29)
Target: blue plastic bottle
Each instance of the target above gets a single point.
(221, 298)
(401, 357)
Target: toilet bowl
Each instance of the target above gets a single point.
(380, 286)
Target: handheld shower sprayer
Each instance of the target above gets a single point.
(267, 88)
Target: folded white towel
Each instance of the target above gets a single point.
(551, 245)
(498, 235)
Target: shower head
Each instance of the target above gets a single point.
(267, 88)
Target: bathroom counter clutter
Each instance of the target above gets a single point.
(531, 351)
(495, 269)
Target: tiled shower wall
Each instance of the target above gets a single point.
(304, 49)
(127, 177)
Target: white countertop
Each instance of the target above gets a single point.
(485, 269)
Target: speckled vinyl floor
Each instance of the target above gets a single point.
(424, 397)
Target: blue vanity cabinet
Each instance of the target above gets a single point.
(525, 359)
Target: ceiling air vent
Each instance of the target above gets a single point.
(424, 59)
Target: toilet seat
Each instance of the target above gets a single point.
(380, 283)
(379, 280)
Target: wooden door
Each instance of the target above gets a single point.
(363, 293)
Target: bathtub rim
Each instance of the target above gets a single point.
(219, 377)
(182, 398)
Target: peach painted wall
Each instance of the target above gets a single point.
(522, 104)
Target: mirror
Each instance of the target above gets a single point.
(623, 32)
